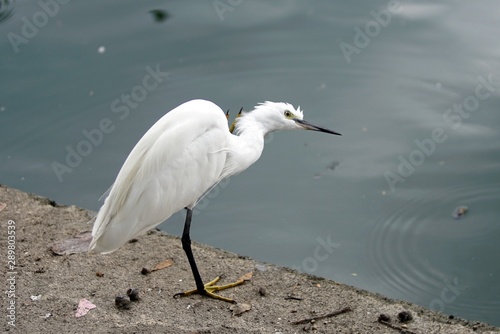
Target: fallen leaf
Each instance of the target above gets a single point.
(246, 277)
(238, 309)
(2, 206)
(78, 244)
(163, 264)
(84, 306)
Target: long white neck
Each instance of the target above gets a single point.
(247, 145)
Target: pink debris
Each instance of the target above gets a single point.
(84, 306)
(78, 244)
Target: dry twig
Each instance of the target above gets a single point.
(400, 329)
(332, 314)
(293, 298)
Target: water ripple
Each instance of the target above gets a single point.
(418, 249)
(6, 10)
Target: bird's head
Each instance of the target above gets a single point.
(276, 116)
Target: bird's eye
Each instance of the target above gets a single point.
(288, 113)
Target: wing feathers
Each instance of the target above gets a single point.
(174, 164)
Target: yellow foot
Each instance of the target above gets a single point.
(211, 288)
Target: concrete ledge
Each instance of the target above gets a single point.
(58, 283)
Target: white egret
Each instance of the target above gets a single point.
(177, 162)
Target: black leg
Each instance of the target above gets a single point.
(186, 245)
(200, 287)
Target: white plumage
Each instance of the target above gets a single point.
(179, 159)
(171, 167)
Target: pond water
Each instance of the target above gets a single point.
(413, 86)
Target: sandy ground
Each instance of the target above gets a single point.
(49, 287)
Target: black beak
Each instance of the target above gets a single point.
(308, 126)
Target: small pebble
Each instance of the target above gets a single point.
(133, 294)
(262, 292)
(145, 271)
(405, 316)
(122, 303)
(384, 317)
(260, 267)
(35, 298)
